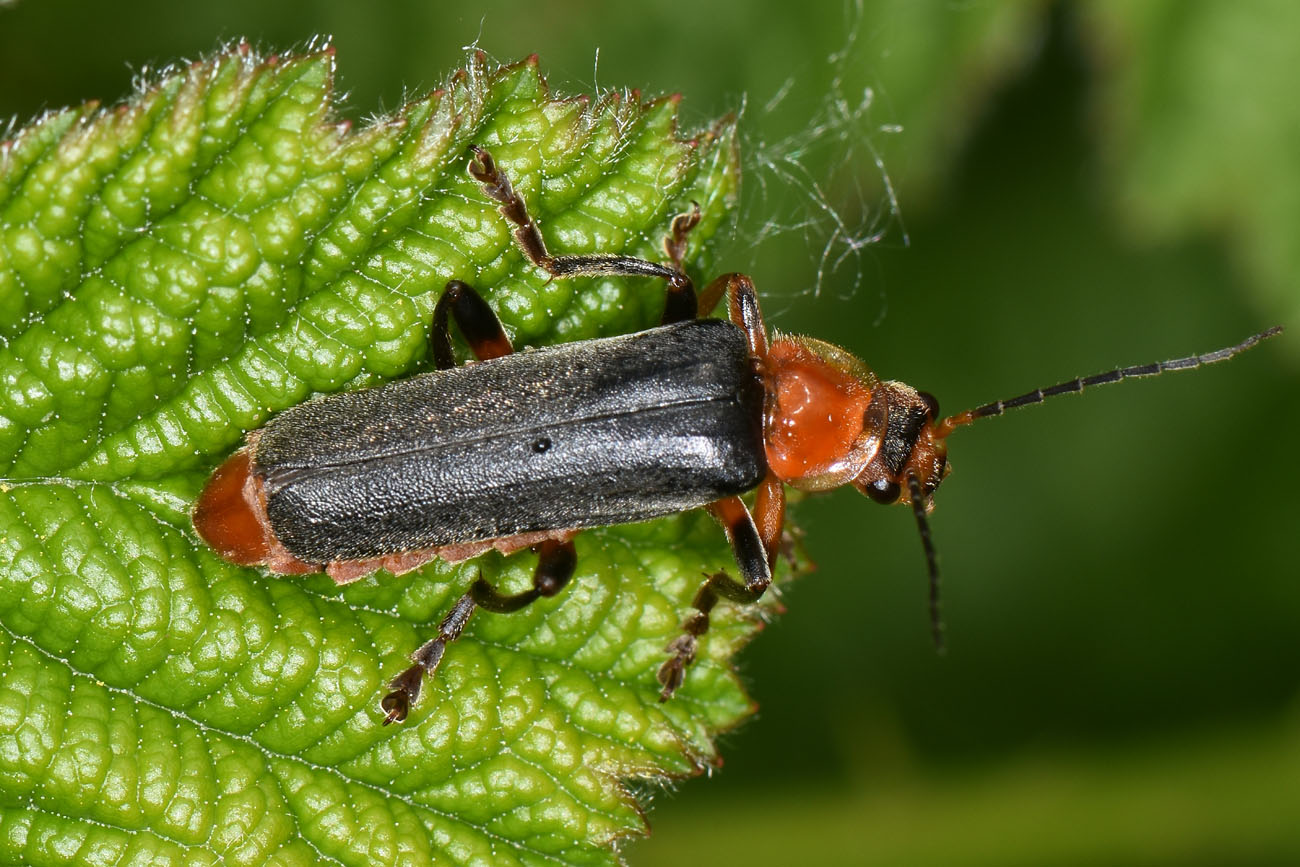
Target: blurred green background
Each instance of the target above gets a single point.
(1077, 186)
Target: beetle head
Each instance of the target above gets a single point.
(912, 446)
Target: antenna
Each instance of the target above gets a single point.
(931, 558)
(1038, 395)
(1074, 386)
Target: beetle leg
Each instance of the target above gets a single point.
(406, 686)
(555, 565)
(680, 304)
(755, 567)
(742, 309)
(769, 515)
(675, 243)
(712, 293)
(478, 323)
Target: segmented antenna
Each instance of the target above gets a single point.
(1074, 386)
(1038, 395)
(931, 558)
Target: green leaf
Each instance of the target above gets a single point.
(175, 270)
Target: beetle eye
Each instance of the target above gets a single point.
(931, 404)
(883, 491)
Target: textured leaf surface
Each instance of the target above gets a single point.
(175, 270)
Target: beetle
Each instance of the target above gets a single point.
(523, 450)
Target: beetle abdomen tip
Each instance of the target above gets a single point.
(227, 517)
